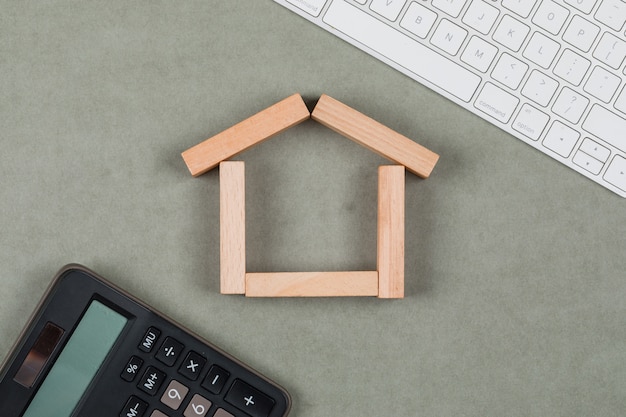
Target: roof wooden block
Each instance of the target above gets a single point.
(312, 284)
(374, 136)
(232, 228)
(390, 257)
(245, 134)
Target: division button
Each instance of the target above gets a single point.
(169, 351)
(249, 399)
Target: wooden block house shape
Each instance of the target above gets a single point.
(388, 280)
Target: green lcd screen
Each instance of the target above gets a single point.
(78, 363)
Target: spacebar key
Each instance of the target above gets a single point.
(401, 49)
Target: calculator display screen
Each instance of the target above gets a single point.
(78, 363)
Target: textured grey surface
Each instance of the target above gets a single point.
(515, 265)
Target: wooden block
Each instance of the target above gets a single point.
(374, 136)
(232, 228)
(312, 284)
(245, 134)
(391, 231)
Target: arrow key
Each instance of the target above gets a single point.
(616, 172)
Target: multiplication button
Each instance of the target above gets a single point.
(192, 365)
(249, 399)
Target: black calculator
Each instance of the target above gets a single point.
(92, 350)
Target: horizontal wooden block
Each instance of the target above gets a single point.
(232, 228)
(374, 136)
(245, 134)
(390, 258)
(312, 284)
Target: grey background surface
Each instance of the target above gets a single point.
(515, 266)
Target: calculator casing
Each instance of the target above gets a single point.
(64, 303)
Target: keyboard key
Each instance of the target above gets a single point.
(451, 7)
(132, 367)
(479, 54)
(169, 351)
(312, 7)
(561, 139)
(521, 7)
(157, 413)
(616, 173)
(612, 13)
(174, 395)
(610, 50)
(448, 36)
(595, 150)
(607, 126)
(151, 381)
(511, 33)
(215, 379)
(541, 50)
(249, 399)
(550, 16)
(389, 9)
(584, 6)
(509, 71)
(481, 16)
(134, 407)
(540, 88)
(620, 103)
(581, 33)
(496, 103)
(572, 67)
(602, 84)
(587, 162)
(192, 365)
(149, 339)
(222, 413)
(404, 51)
(418, 20)
(198, 407)
(531, 122)
(570, 105)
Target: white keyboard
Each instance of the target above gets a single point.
(550, 73)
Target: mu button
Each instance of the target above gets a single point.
(249, 399)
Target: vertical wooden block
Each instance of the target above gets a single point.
(245, 134)
(312, 284)
(232, 228)
(390, 257)
(374, 136)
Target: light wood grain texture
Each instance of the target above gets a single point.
(312, 284)
(245, 134)
(232, 228)
(390, 258)
(374, 136)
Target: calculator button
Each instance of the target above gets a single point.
(134, 408)
(174, 395)
(157, 413)
(249, 399)
(169, 351)
(222, 413)
(149, 339)
(151, 381)
(192, 365)
(215, 379)
(132, 367)
(198, 407)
